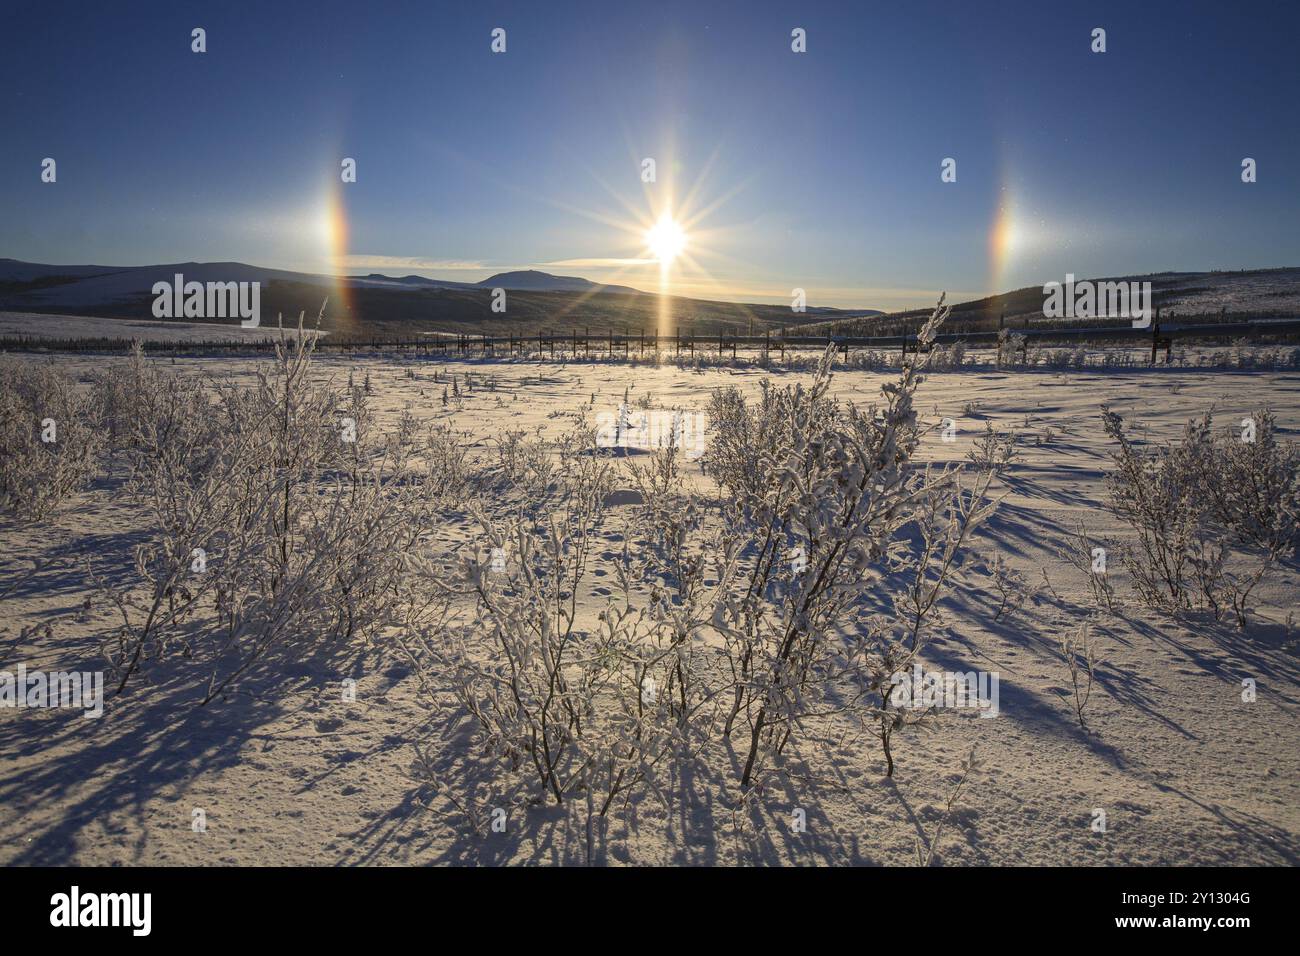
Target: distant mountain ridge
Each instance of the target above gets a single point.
(408, 305)
(83, 285)
(519, 279)
(536, 281)
(1240, 294)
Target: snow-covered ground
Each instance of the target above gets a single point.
(1207, 292)
(1185, 770)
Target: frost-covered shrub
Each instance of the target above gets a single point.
(818, 531)
(740, 618)
(1155, 492)
(1075, 358)
(1252, 484)
(1082, 658)
(871, 360)
(274, 523)
(1086, 554)
(993, 450)
(119, 390)
(945, 513)
(561, 709)
(1012, 348)
(948, 359)
(1212, 512)
(748, 440)
(51, 438)
(450, 472)
(523, 463)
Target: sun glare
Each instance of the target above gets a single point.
(665, 239)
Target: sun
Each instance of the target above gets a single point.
(666, 239)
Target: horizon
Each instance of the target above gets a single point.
(769, 163)
(396, 275)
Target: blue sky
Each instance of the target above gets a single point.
(817, 170)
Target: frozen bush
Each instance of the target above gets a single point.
(274, 525)
(813, 534)
(747, 440)
(992, 451)
(945, 514)
(118, 391)
(1212, 512)
(1154, 491)
(1082, 660)
(925, 853)
(523, 464)
(450, 472)
(1085, 554)
(1252, 485)
(562, 712)
(51, 438)
(745, 618)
